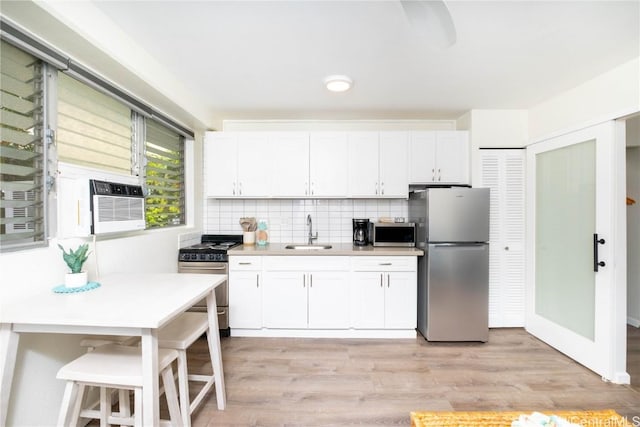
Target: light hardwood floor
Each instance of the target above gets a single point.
(311, 382)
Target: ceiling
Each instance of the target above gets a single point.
(267, 59)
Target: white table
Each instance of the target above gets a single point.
(124, 304)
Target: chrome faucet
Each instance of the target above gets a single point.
(310, 225)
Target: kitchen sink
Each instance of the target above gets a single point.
(308, 247)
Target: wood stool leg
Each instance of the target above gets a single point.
(183, 388)
(137, 407)
(215, 353)
(77, 405)
(172, 397)
(68, 399)
(123, 403)
(105, 406)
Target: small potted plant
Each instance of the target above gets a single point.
(75, 260)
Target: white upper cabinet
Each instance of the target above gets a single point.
(253, 175)
(287, 162)
(394, 150)
(439, 157)
(234, 165)
(378, 164)
(332, 164)
(363, 164)
(220, 164)
(328, 164)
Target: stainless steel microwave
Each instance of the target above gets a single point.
(392, 234)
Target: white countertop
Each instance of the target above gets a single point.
(122, 300)
(338, 249)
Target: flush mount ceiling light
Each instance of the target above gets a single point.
(338, 83)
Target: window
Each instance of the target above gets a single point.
(94, 129)
(96, 125)
(164, 176)
(22, 154)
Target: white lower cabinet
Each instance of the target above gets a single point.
(245, 292)
(384, 293)
(298, 300)
(340, 296)
(284, 301)
(306, 292)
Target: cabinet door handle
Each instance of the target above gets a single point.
(304, 281)
(380, 279)
(311, 280)
(382, 188)
(376, 188)
(244, 263)
(257, 280)
(306, 188)
(233, 190)
(240, 188)
(385, 263)
(388, 280)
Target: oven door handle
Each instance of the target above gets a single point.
(185, 268)
(222, 312)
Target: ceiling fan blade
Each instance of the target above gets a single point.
(431, 21)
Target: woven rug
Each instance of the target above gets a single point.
(608, 418)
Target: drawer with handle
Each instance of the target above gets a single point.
(237, 263)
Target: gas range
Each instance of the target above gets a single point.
(213, 248)
(210, 257)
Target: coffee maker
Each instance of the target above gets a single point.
(360, 232)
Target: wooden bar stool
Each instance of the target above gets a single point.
(93, 341)
(179, 335)
(119, 367)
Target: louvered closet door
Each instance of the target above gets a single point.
(503, 173)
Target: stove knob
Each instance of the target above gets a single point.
(212, 257)
(203, 257)
(194, 256)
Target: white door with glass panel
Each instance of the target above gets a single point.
(570, 291)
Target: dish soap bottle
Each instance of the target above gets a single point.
(262, 235)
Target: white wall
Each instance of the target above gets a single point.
(609, 96)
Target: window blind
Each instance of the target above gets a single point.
(22, 160)
(94, 129)
(164, 176)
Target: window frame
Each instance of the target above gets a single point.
(44, 144)
(55, 61)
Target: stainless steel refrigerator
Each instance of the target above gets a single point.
(452, 227)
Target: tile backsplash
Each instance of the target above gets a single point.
(286, 218)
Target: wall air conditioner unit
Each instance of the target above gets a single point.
(116, 207)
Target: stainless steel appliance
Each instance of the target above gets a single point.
(392, 234)
(452, 227)
(360, 232)
(210, 257)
